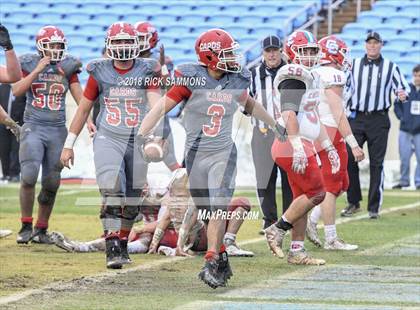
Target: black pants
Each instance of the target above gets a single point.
(266, 175)
(9, 153)
(371, 128)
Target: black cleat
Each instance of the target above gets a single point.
(224, 267)
(125, 258)
(113, 252)
(350, 210)
(210, 274)
(24, 234)
(41, 235)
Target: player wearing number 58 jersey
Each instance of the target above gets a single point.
(212, 89)
(48, 76)
(122, 83)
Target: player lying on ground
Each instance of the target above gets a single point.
(48, 75)
(211, 90)
(332, 79)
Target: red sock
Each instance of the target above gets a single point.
(210, 255)
(27, 220)
(222, 248)
(124, 234)
(41, 224)
(111, 235)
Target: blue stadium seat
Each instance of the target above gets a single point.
(247, 42)
(192, 19)
(390, 5)
(383, 8)
(406, 66)
(79, 50)
(411, 34)
(253, 54)
(265, 9)
(78, 18)
(34, 6)
(187, 41)
(19, 16)
(386, 31)
(237, 32)
(239, 9)
(208, 9)
(221, 20)
(10, 7)
(164, 19)
(411, 7)
(92, 29)
(356, 29)
(21, 48)
(106, 18)
(64, 7)
(96, 7)
(51, 18)
(137, 17)
(397, 22)
(348, 38)
(413, 54)
(179, 9)
(176, 30)
(357, 52)
(369, 20)
(399, 43)
(197, 30)
(264, 31)
(391, 52)
(77, 39)
(250, 20)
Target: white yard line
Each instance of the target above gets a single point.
(60, 285)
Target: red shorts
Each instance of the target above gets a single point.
(310, 183)
(339, 182)
(170, 238)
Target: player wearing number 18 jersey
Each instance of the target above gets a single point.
(48, 75)
(212, 90)
(121, 85)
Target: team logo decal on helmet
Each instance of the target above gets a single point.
(334, 50)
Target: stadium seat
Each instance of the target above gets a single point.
(208, 9)
(265, 9)
(92, 29)
(369, 20)
(412, 33)
(386, 31)
(406, 66)
(391, 53)
(192, 19)
(397, 22)
(137, 17)
(34, 7)
(245, 43)
(151, 8)
(239, 9)
(179, 9)
(186, 42)
(249, 21)
(97, 40)
(10, 7)
(176, 30)
(20, 16)
(357, 52)
(95, 8)
(220, 20)
(237, 32)
(65, 7)
(164, 19)
(389, 5)
(51, 18)
(264, 31)
(414, 7)
(78, 18)
(355, 29)
(399, 43)
(77, 39)
(106, 18)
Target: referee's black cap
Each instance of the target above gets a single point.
(271, 41)
(374, 35)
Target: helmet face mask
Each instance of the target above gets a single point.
(122, 42)
(147, 35)
(230, 59)
(307, 56)
(51, 42)
(144, 41)
(303, 49)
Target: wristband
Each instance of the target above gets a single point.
(164, 70)
(296, 143)
(326, 144)
(70, 140)
(351, 141)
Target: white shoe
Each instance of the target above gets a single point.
(274, 237)
(5, 232)
(340, 245)
(312, 233)
(62, 242)
(233, 250)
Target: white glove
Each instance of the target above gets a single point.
(300, 161)
(333, 158)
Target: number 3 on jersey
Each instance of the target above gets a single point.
(216, 111)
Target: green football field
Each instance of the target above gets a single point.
(383, 274)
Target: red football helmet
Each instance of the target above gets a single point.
(216, 49)
(334, 50)
(303, 49)
(50, 41)
(122, 42)
(148, 35)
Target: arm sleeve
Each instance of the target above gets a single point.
(178, 93)
(74, 78)
(92, 90)
(291, 93)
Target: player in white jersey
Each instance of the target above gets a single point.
(299, 98)
(331, 81)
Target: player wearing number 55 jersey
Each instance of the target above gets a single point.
(122, 85)
(211, 89)
(48, 75)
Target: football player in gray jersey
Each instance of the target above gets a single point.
(212, 89)
(48, 75)
(120, 84)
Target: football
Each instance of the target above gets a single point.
(154, 149)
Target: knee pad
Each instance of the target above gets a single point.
(46, 197)
(112, 211)
(130, 212)
(317, 198)
(29, 173)
(240, 202)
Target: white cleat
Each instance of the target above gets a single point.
(312, 233)
(339, 245)
(233, 250)
(274, 237)
(301, 257)
(5, 232)
(62, 242)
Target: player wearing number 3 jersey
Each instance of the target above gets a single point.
(210, 153)
(48, 75)
(119, 83)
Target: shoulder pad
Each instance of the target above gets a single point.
(25, 58)
(152, 65)
(189, 69)
(329, 77)
(245, 73)
(96, 63)
(71, 65)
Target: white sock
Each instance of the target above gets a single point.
(296, 246)
(230, 236)
(330, 232)
(137, 247)
(315, 214)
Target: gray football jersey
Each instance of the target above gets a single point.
(122, 97)
(45, 100)
(208, 113)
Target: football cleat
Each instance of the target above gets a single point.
(301, 257)
(338, 244)
(210, 274)
(5, 232)
(62, 242)
(25, 233)
(224, 267)
(312, 233)
(41, 235)
(350, 210)
(125, 258)
(233, 250)
(113, 252)
(274, 237)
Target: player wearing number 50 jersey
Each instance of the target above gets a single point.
(48, 75)
(211, 90)
(122, 85)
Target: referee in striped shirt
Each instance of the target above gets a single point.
(375, 79)
(261, 89)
